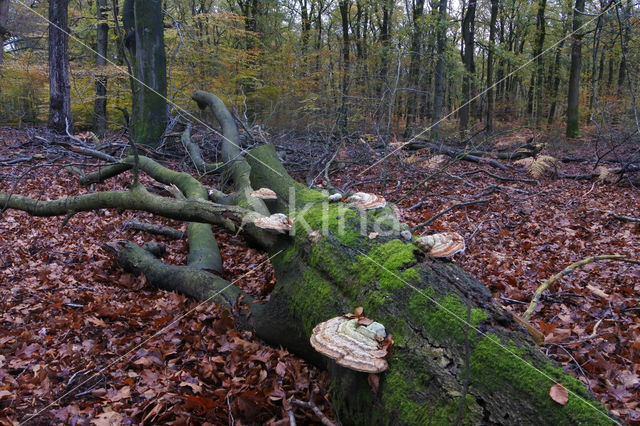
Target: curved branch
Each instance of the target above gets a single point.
(138, 198)
(236, 167)
(195, 153)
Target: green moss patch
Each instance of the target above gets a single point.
(445, 319)
(495, 366)
(384, 263)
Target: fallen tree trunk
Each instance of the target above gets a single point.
(337, 258)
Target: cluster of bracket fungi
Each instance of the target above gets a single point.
(353, 341)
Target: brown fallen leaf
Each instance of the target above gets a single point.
(559, 394)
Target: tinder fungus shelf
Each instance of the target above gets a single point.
(264, 194)
(445, 244)
(276, 222)
(351, 345)
(365, 201)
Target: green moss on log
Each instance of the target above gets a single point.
(444, 320)
(496, 366)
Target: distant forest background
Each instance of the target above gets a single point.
(391, 69)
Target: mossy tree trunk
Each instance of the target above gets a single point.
(326, 267)
(143, 23)
(573, 93)
(59, 87)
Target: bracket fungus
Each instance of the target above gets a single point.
(365, 201)
(445, 244)
(264, 194)
(334, 198)
(351, 344)
(276, 222)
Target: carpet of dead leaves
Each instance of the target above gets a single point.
(83, 342)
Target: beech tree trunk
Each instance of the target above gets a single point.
(414, 66)
(573, 115)
(468, 39)
(326, 267)
(59, 96)
(102, 39)
(490, 62)
(534, 101)
(4, 31)
(142, 21)
(346, 65)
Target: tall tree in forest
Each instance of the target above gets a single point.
(344, 6)
(142, 20)
(385, 42)
(441, 44)
(553, 79)
(59, 96)
(468, 43)
(625, 36)
(417, 10)
(490, 60)
(102, 38)
(574, 72)
(535, 85)
(4, 31)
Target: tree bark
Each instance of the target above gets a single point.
(535, 85)
(142, 21)
(59, 96)
(468, 37)
(102, 40)
(414, 65)
(554, 75)
(574, 73)
(490, 61)
(4, 31)
(343, 118)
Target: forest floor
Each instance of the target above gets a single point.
(83, 342)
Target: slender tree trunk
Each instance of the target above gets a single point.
(142, 20)
(439, 86)
(344, 6)
(102, 40)
(385, 48)
(468, 38)
(537, 77)
(490, 61)
(414, 66)
(4, 31)
(574, 73)
(593, 99)
(59, 87)
(625, 36)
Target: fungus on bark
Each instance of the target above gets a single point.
(365, 201)
(333, 198)
(276, 222)
(445, 244)
(351, 344)
(264, 194)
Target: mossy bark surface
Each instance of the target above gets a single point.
(143, 21)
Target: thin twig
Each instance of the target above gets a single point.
(311, 405)
(448, 209)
